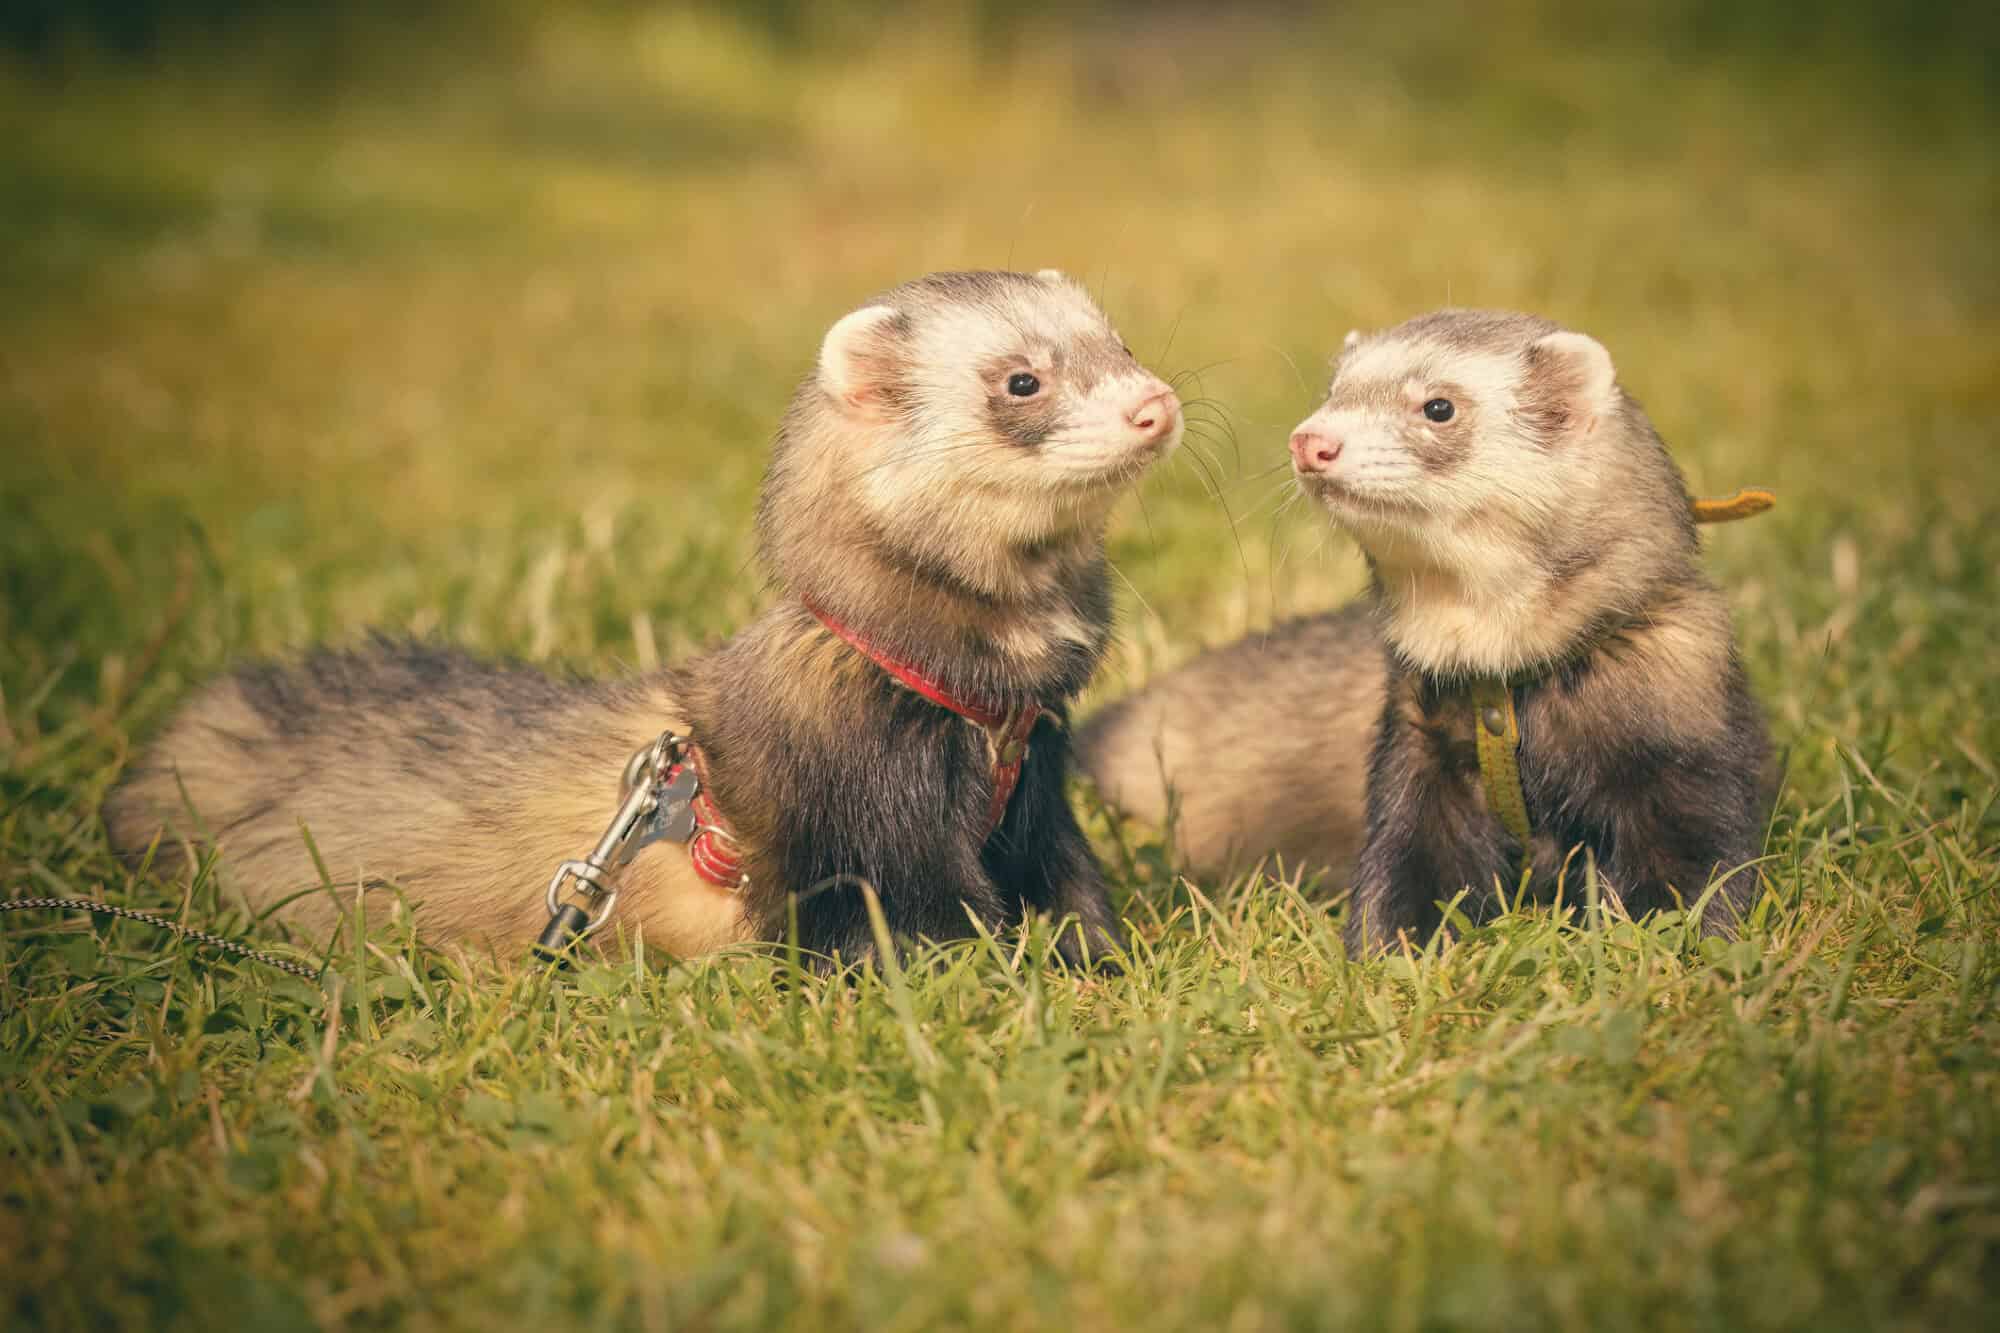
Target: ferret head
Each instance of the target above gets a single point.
(966, 422)
(1508, 493)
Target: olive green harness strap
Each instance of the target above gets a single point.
(1498, 734)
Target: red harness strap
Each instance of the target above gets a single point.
(1006, 728)
(712, 849)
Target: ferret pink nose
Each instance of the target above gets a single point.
(1312, 452)
(1155, 417)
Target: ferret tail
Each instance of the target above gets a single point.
(396, 762)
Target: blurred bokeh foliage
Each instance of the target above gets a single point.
(1924, 34)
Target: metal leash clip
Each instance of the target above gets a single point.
(656, 802)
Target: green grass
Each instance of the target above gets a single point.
(494, 353)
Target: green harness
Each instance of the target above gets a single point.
(1498, 734)
(1497, 731)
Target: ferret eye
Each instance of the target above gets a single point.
(1438, 409)
(1023, 385)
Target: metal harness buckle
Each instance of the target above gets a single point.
(644, 784)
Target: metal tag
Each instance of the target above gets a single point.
(673, 818)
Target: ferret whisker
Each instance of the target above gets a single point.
(1272, 513)
(1202, 400)
(1282, 504)
(1204, 455)
(1222, 502)
(1298, 375)
(1020, 225)
(1277, 499)
(1172, 334)
(1195, 373)
(1193, 435)
(1196, 438)
(1219, 422)
(1137, 596)
(1210, 486)
(1282, 549)
(1152, 538)
(1216, 435)
(1219, 429)
(1222, 421)
(1117, 247)
(1204, 476)
(1204, 431)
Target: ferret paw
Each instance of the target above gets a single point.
(1095, 946)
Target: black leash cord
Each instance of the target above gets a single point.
(213, 941)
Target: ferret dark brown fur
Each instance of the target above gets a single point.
(940, 484)
(1522, 521)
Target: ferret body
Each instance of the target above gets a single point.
(1238, 761)
(1525, 529)
(940, 485)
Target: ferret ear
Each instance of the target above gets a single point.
(855, 358)
(1571, 382)
(1053, 275)
(1351, 341)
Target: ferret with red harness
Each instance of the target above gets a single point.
(934, 510)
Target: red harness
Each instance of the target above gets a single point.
(713, 848)
(1006, 728)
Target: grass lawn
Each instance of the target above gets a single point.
(488, 345)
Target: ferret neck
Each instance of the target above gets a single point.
(1511, 620)
(985, 712)
(1039, 640)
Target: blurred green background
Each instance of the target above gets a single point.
(324, 277)
(476, 320)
